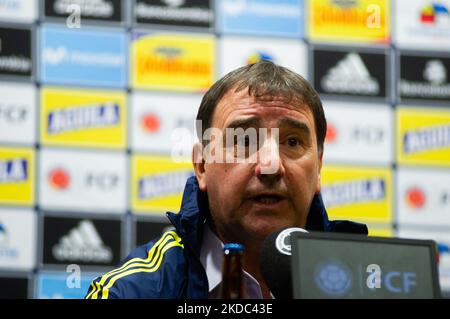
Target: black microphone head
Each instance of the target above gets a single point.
(275, 262)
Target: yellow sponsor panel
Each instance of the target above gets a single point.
(379, 231)
(423, 136)
(174, 62)
(157, 183)
(17, 176)
(352, 20)
(88, 118)
(358, 193)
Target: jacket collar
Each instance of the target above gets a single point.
(193, 212)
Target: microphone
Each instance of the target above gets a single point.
(275, 262)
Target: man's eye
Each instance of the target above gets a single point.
(293, 142)
(243, 141)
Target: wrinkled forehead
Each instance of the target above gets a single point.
(264, 93)
(245, 101)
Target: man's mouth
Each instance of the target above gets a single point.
(267, 199)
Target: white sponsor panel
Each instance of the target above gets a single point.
(423, 196)
(83, 181)
(17, 239)
(358, 132)
(422, 24)
(164, 123)
(239, 51)
(17, 113)
(18, 10)
(442, 238)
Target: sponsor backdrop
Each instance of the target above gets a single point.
(98, 95)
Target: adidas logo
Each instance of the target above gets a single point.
(350, 75)
(83, 243)
(14, 63)
(173, 3)
(96, 8)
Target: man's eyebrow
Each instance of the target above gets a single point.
(244, 123)
(294, 124)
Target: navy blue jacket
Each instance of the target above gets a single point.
(170, 266)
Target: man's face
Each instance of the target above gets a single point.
(246, 202)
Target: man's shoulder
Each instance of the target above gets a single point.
(153, 270)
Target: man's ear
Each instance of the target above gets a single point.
(319, 168)
(199, 165)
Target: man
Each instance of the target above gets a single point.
(243, 189)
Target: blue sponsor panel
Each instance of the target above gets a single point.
(63, 285)
(83, 57)
(284, 18)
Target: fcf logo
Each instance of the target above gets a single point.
(405, 280)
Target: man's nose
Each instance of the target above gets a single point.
(269, 164)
